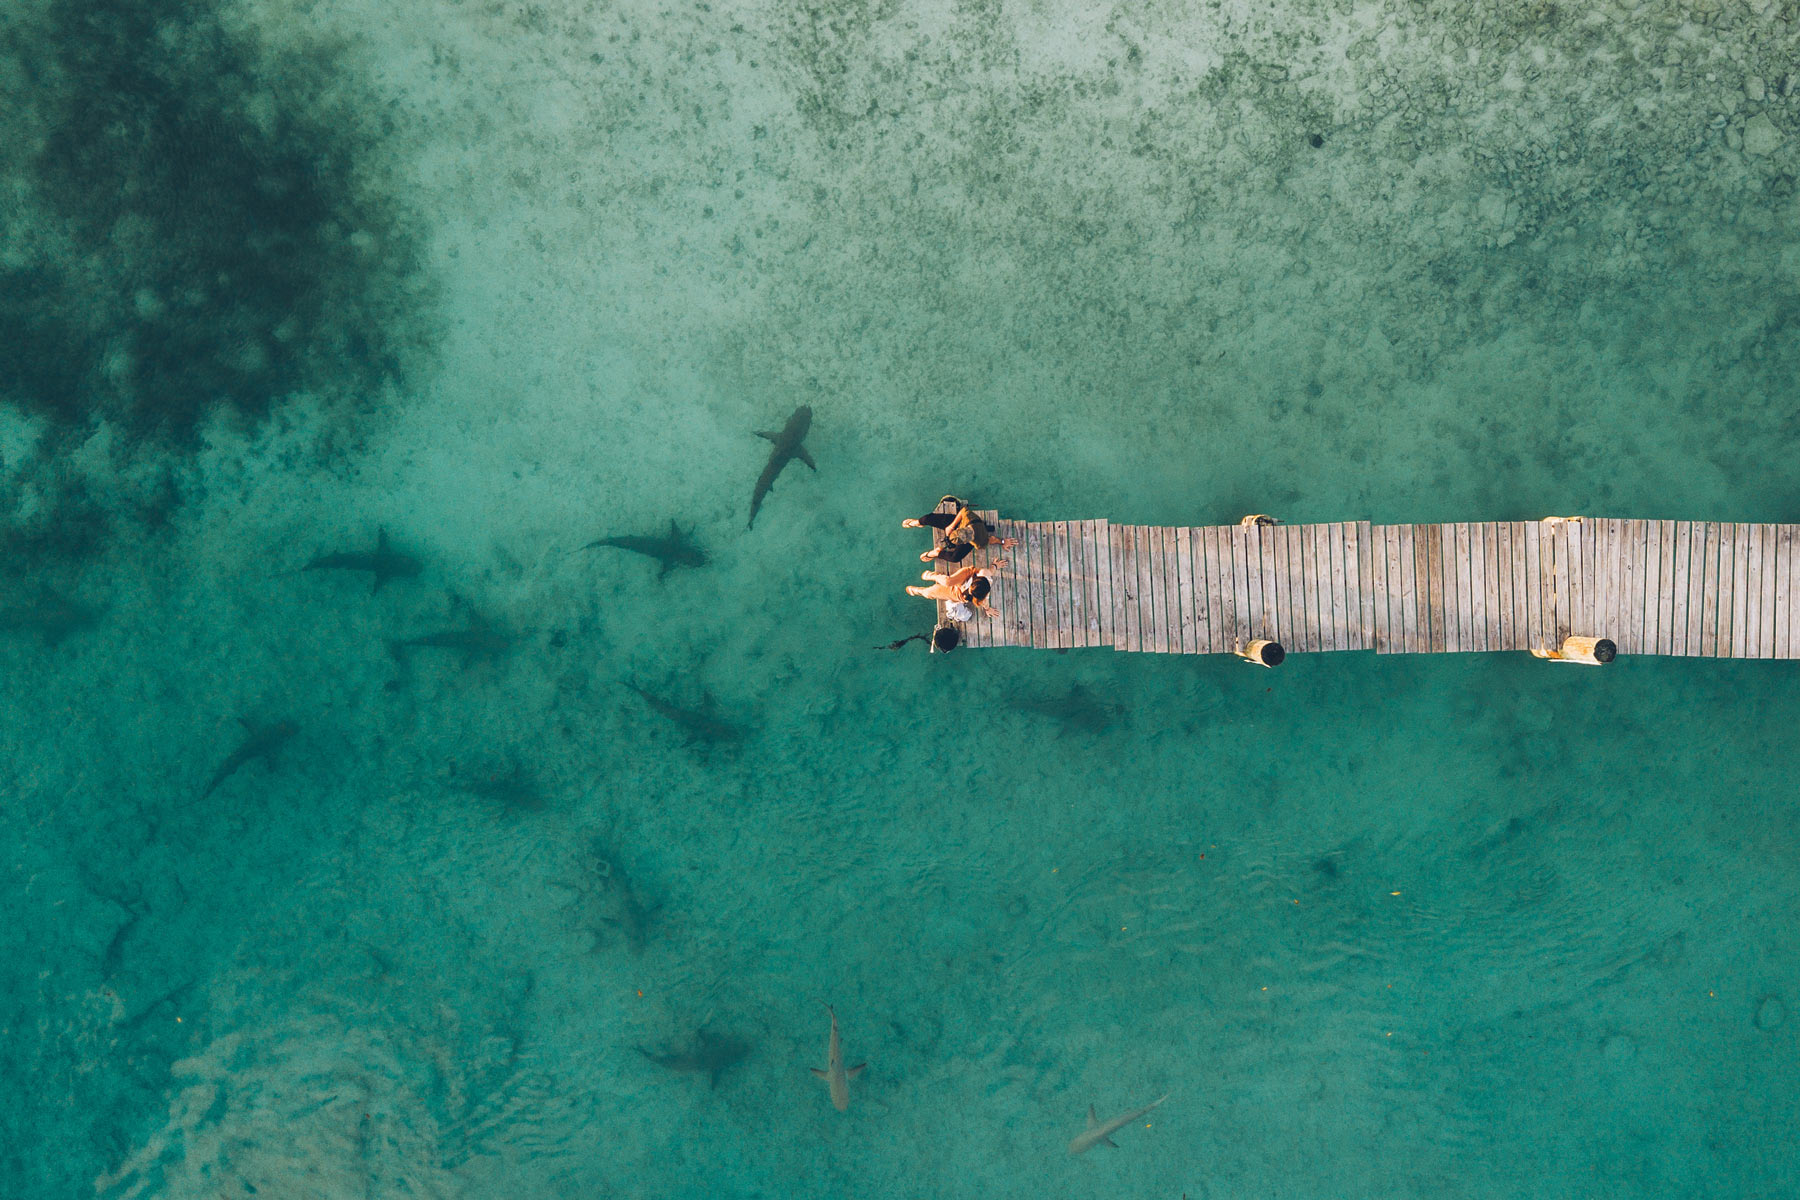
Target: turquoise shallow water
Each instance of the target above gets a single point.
(502, 280)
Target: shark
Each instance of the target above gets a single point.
(631, 914)
(384, 563)
(675, 549)
(789, 445)
(1077, 709)
(477, 640)
(50, 615)
(260, 741)
(710, 1055)
(700, 724)
(833, 1072)
(1100, 1132)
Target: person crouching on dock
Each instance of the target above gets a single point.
(964, 532)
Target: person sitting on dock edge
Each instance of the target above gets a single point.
(966, 590)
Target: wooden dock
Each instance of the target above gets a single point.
(1694, 588)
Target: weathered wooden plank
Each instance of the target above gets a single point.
(1697, 589)
(1169, 592)
(1680, 619)
(1617, 590)
(1262, 583)
(1636, 548)
(1090, 584)
(1327, 582)
(1759, 637)
(1068, 536)
(1303, 600)
(1566, 568)
(1320, 594)
(1134, 611)
(1381, 587)
(1765, 599)
(1233, 596)
(1478, 597)
(1152, 604)
(1100, 556)
(1428, 562)
(1137, 607)
(1491, 583)
(1143, 560)
(1500, 585)
(1601, 532)
(1456, 588)
(1765, 606)
(1740, 592)
(1250, 615)
(1478, 600)
(1200, 580)
(1184, 589)
(1206, 566)
(1659, 583)
(1751, 637)
(1278, 599)
(1037, 568)
(1531, 583)
(1731, 590)
(1026, 574)
(1401, 582)
(1346, 607)
(1053, 588)
(1069, 562)
(1521, 635)
(1784, 591)
(1363, 584)
(1124, 588)
(1606, 578)
(1547, 547)
(1506, 631)
(1384, 593)
(1182, 594)
(1415, 616)
(1148, 584)
(1712, 536)
(1237, 541)
(1303, 579)
(1630, 604)
(1221, 606)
